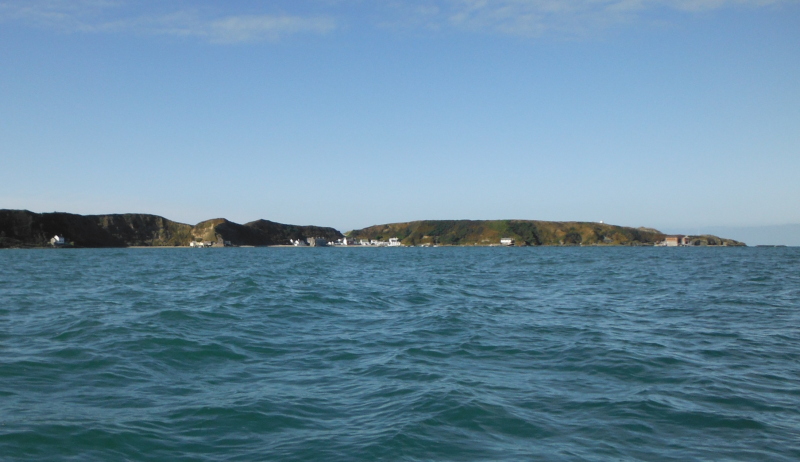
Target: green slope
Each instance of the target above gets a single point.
(524, 232)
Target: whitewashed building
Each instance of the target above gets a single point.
(506, 241)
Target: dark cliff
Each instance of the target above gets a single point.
(22, 228)
(259, 232)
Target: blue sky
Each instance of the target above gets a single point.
(348, 113)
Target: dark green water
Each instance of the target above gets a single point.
(400, 354)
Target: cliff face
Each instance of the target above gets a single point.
(21, 228)
(144, 230)
(258, 233)
(524, 232)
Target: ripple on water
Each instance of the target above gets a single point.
(409, 354)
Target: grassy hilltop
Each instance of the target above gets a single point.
(524, 232)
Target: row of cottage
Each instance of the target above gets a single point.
(346, 241)
(669, 241)
(675, 241)
(60, 241)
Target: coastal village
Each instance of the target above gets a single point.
(312, 242)
(345, 242)
(678, 240)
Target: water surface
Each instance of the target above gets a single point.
(400, 354)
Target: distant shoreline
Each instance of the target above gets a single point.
(25, 229)
(140, 247)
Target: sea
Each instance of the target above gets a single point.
(412, 354)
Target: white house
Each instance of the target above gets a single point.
(673, 241)
(57, 240)
(394, 242)
(506, 241)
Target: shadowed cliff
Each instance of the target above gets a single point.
(22, 228)
(258, 233)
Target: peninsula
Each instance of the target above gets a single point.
(25, 229)
(526, 233)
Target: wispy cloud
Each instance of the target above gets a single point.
(98, 16)
(536, 17)
(539, 17)
(234, 29)
(219, 22)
